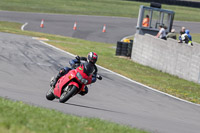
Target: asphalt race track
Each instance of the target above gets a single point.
(88, 27)
(26, 66)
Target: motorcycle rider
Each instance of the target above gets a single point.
(74, 63)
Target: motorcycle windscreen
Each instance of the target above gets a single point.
(88, 68)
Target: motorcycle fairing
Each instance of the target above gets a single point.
(70, 78)
(63, 81)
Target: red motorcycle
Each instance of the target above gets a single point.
(72, 83)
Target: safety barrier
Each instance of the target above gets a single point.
(124, 48)
(169, 56)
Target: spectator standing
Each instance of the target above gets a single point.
(187, 38)
(172, 34)
(181, 33)
(145, 22)
(188, 34)
(162, 33)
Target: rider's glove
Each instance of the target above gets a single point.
(78, 58)
(62, 71)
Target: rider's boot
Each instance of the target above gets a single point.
(60, 74)
(55, 81)
(52, 81)
(82, 93)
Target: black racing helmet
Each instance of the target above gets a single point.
(92, 57)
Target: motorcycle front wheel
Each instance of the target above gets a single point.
(50, 95)
(68, 92)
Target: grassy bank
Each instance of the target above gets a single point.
(162, 81)
(17, 117)
(120, 8)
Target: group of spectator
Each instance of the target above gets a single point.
(184, 36)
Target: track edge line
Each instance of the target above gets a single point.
(133, 81)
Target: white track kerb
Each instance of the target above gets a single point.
(22, 28)
(124, 76)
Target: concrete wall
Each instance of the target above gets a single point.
(168, 56)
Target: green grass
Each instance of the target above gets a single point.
(120, 8)
(17, 117)
(162, 81)
(196, 37)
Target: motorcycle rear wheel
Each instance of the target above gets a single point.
(67, 94)
(50, 95)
